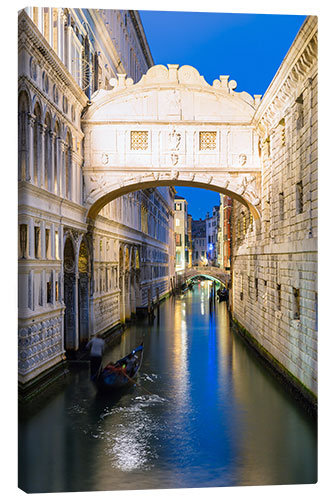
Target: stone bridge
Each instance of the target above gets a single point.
(205, 271)
(171, 128)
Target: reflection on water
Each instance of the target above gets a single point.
(204, 412)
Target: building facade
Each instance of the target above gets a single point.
(78, 278)
(212, 235)
(225, 232)
(181, 233)
(199, 243)
(274, 264)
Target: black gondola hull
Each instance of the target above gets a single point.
(109, 380)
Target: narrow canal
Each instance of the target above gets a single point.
(204, 412)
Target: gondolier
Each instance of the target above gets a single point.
(96, 346)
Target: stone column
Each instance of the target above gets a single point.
(41, 162)
(30, 140)
(76, 307)
(70, 174)
(42, 241)
(52, 149)
(61, 164)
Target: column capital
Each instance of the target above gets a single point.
(31, 119)
(42, 128)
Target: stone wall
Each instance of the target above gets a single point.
(275, 262)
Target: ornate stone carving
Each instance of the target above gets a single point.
(105, 158)
(249, 185)
(174, 140)
(174, 159)
(242, 159)
(174, 174)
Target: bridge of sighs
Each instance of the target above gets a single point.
(171, 128)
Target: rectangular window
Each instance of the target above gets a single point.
(281, 206)
(46, 27)
(56, 241)
(256, 287)
(49, 292)
(55, 29)
(178, 238)
(296, 303)
(56, 291)
(177, 222)
(37, 242)
(299, 197)
(139, 140)
(178, 206)
(300, 112)
(23, 240)
(47, 244)
(207, 141)
(278, 297)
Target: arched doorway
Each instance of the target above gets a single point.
(127, 284)
(121, 285)
(69, 296)
(134, 273)
(83, 294)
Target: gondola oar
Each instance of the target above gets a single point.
(134, 382)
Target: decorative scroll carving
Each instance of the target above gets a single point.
(242, 159)
(105, 158)
(174, 140)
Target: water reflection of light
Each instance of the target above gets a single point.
(180, 345)
(128, 446)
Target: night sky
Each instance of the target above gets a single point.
(248, 47)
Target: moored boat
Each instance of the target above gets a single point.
(122, 373)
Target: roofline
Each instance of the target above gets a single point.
(138, 26)
(304, 34)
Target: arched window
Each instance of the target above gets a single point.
(36, 143)
(23, 145)
(47, 153)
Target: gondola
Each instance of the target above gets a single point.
(119, 375)
(222, 295)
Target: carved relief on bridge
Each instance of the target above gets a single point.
(243, 187)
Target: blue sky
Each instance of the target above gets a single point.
(248, 47)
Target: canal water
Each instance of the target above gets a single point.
(204, 413)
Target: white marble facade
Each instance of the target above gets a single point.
(76, 277)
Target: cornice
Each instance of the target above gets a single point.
(108, 47)
(298, 65)
(136, 20)
(28, 31)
